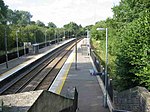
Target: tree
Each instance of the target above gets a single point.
(71, 26)
(51, 25)
(129, 43)
(29, 31)
(40, 23)
(25, 18)
(3, 11)
(72, 29)
(98, 35)
(132, 65)
(129, 10)
(32, 22)
(19, 17)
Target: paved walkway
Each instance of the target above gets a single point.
(89, 91)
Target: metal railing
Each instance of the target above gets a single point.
(101, 80)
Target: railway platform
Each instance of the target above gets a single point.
(23, 61)
(90, 95)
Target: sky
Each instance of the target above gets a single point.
(61, 12)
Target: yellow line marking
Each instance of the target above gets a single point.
(58, 90)
(15, 68)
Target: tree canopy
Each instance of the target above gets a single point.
(129, 43)
(20, 25)
(40, 23)
(3, 11)
(18, 17)
(51, 25)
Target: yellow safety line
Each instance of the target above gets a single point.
(11, 70)
(15, 68)
(58, 91)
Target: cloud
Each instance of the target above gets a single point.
(60, 12)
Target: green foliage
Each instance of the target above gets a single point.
(40, 23)
(99, 44)
(129, 43)
(20, 26)
(71, 26)
(98, 35)
(51, 25)
(3, 11)
(133, 60)
(72, 29)
(132, 63)
(21, 18)
(129, 10)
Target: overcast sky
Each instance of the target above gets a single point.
(60, 12)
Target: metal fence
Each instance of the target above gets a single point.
(100, 69)
(13, 55)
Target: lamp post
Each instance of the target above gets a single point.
(5, 38)
(105, 96)
(88, 41)
(35, 36)
(76, 53)
(17, 43)
(45, 38)
(64, 34)
(55, 36)
(69, 34)
(5, 42)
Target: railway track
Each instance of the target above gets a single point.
(42, 76)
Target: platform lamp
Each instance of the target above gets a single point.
(55, 34)
(35, 37)
(45, 37)
(105, 95)
(64, 34)
(17, 43)
(76, 53)
(88, 41)
(5, 39)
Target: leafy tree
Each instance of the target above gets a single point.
(128, 33)
(51, 25)
(20, 23)
(132, 18)
(73, 29)
(50, 34)
(19, 17)
(133, 65)
(3, 11)
(25, 18)
(32, 22)
(40, 23)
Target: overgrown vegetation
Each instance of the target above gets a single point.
(129, 43)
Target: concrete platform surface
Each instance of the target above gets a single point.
(89, 92)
